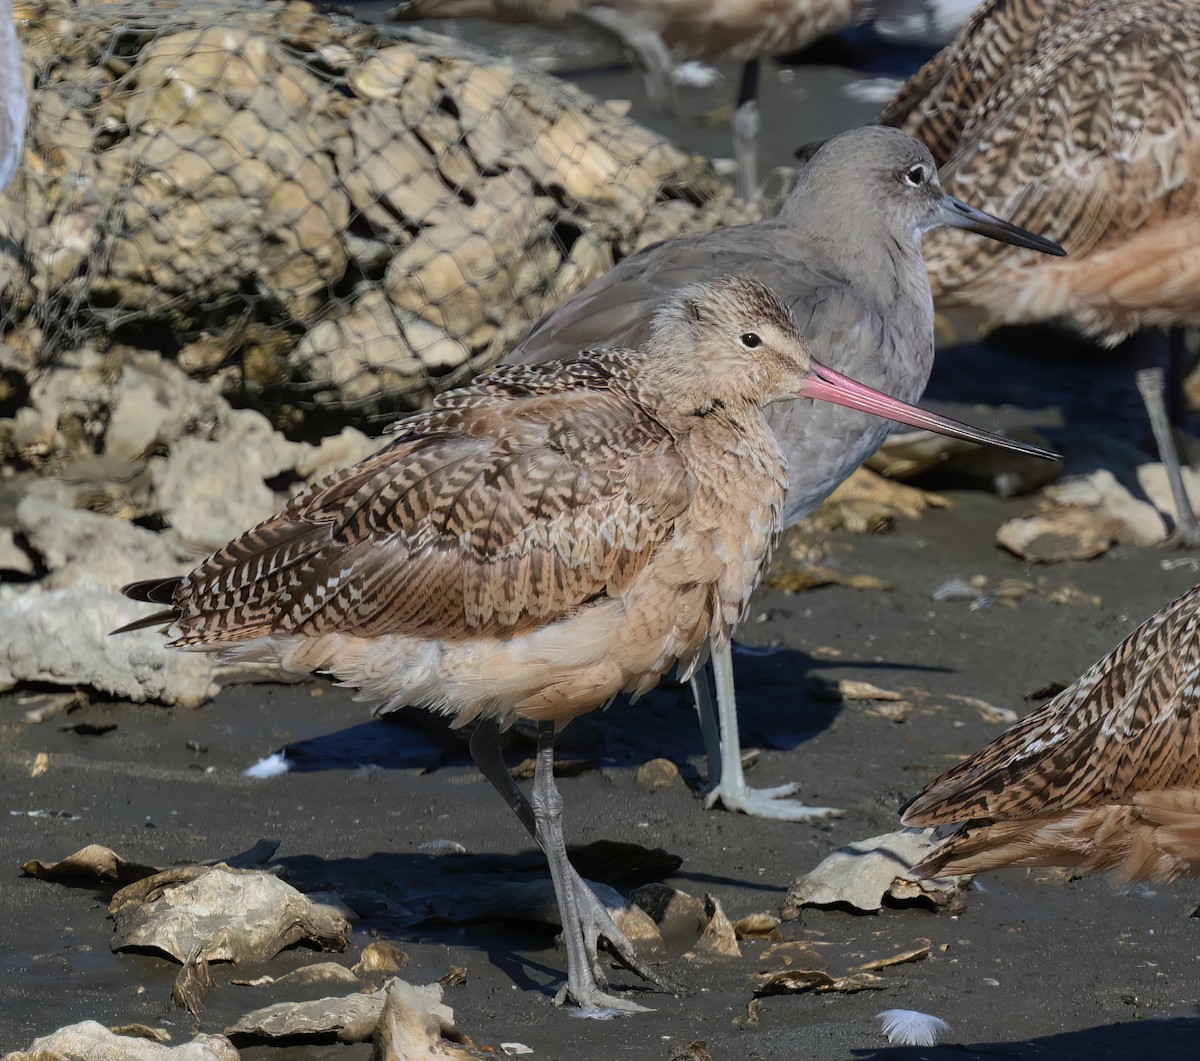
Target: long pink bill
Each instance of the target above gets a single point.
(826, 385)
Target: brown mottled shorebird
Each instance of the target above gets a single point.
(844, 254)
(539, 541)
(15, 108)
(1104, 777)
(658, 31)
(1080, 118)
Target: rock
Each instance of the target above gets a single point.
(1140, 522)
(867, 503)
(75, 544)
(415, 1024)
(864, 874)
(335, 452)
(92, 863)
(830, 688)
(90, 1041)
(758, 926)
(718, 940)
(1065, 534)
(371, 349)
(317, 973)
(658, 775)
(61, 637)
(681, 918)
(14, 558)
(417, 1016)
(380, 956)
(215, 913)
(349, 1018)
(212, 490)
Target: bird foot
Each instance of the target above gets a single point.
(594, 1000)
(585, 987)
(1184, 536)
(767, 803)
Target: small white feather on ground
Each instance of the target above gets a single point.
(907, 1027)
(693, 74)
(271, 766)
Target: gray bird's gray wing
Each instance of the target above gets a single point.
(617, 308)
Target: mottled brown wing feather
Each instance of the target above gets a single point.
(1130, 724)
(509, 504)
(939, 100)
(1091, 139)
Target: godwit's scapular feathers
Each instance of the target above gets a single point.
(1105, 776)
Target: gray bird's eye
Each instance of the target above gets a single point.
(750, 340)
(915, 176)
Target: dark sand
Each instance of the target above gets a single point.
(1038, 966)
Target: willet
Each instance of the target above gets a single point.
(1104, 777)
(15, 108)
(539, 541)
(659, 31)
(844, 254)
(1080, 118)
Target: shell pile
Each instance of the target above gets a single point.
(317, 210)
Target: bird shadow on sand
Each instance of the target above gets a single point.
(499, 905)
(1163, 1039)
(775, 711)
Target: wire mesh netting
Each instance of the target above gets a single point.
(332, 219)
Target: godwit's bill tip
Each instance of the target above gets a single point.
(958, 214)
(824, 384)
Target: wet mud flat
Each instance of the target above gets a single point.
(1037, 965)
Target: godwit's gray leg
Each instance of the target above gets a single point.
(585, 919)
(1151, 381)
(710, 729)
(489, 757)
(648, 46)
(727, 785)
(746, 128)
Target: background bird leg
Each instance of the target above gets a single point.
(729, 787)
(652, 53)
(746, 128)
(1151, 382)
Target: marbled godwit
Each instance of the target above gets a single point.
(658, 31)
(1106, 776)
(536, 543)
(15, 108)
(845, 256)
(1080, 118)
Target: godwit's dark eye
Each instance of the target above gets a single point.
(751, 339)
(915, 176)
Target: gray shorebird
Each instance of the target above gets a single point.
(1080, 118)
(1103, 778)
(844, 254)
(660, 31)
(537, 542)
